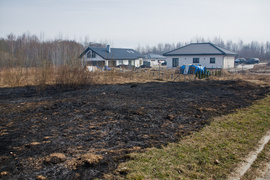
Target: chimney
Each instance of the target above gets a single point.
(108, 49)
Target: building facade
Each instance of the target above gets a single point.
(110, 57)
(204, 54)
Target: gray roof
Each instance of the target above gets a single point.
(200, 49)
(155, 56)
(115, 53)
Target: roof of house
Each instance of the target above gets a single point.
(114, 54)
(155, 56)
(200, 49)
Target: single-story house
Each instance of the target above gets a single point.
(154, 59)
(110, 57)
(204, 54)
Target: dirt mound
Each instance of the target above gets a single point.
(87, 132)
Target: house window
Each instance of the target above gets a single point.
(89, 54)
(175, 62)
(120, 62)
(196, 60)
(212, 60)
(131, 62)
(93, 55)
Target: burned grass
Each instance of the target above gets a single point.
(86, 133)
(214, 152)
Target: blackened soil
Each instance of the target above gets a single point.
(108, 120)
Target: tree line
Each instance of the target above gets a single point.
(28, 50)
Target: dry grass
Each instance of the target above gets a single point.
(90, 158)
(75, 76)
(15, 77)
(55, 158)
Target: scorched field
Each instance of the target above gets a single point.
(85, 133)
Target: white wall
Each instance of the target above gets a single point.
(229, 62)
(125, 62)
(85, 59)
(137, 62)
(203, 61)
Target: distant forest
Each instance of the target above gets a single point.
(29, 50)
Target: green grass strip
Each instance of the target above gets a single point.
(211, 153)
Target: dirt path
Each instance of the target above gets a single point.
(93, 129)
(248, 161)
(266, 175)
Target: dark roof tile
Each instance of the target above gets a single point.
(115, 53)
(155, 56)
(199, 49)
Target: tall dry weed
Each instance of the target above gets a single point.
(13, 77)
(75, 76)
(72, 76)
(43, 75)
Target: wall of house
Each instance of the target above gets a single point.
(119, 62)
(154, 62)
(203, 61)
(229, 62)
(97, 58)
(137, 62)
(85, 59)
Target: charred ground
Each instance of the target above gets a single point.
(87, 132)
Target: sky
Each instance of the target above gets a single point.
(130, 23)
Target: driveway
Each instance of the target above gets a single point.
(244, 66)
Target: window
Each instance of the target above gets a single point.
(175, 62)
(131, 62)
(212, 60)
(130, 51)
(93, 55)
(196, 60)
(89, 54)
(120, 62)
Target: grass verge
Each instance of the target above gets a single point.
(211, 153)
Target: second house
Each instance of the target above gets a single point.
(110, 57)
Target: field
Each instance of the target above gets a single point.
(86, 132)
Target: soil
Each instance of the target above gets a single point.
(85, 133)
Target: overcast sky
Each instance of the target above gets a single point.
(129, 23)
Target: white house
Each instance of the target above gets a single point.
(204, 54)
(110, 57)
(154, 59)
